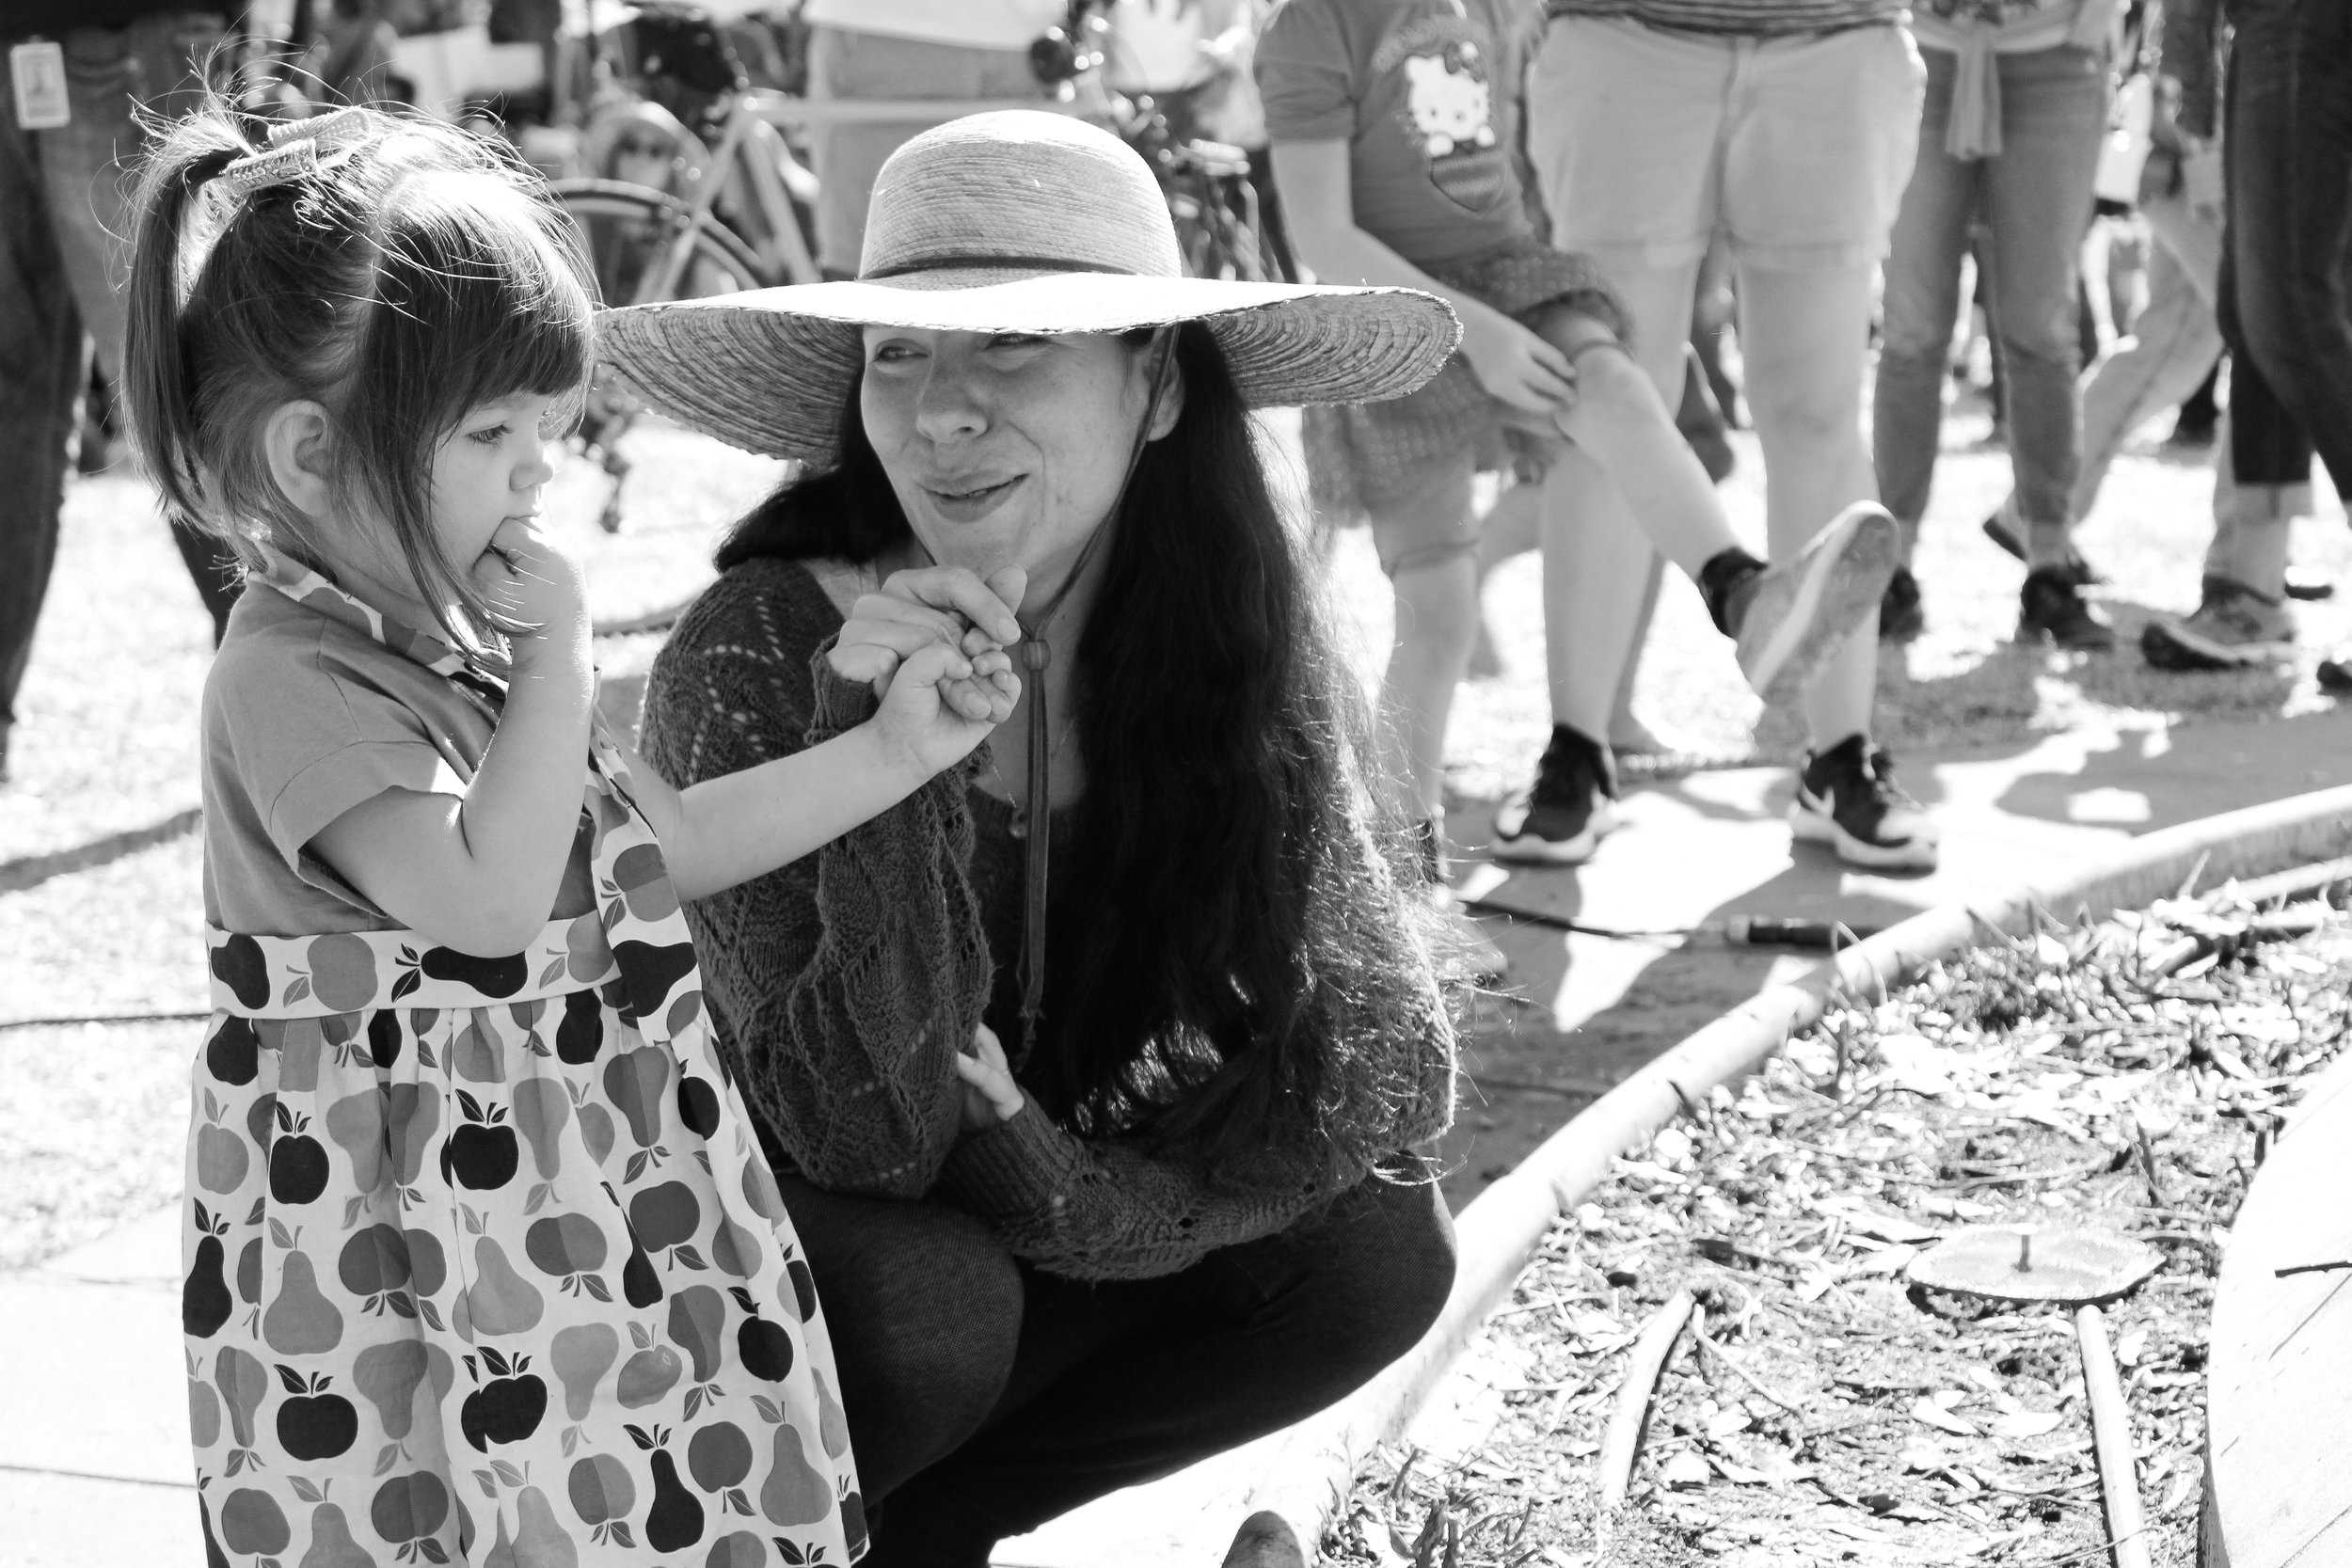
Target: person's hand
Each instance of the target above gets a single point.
(1516, 364)
(528, 578)
(990, 1095)
(942, 703)
(928, 606)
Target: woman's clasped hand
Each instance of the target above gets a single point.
(952, 628)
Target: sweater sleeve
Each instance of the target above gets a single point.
(839, 980)
(1103, 1209)
(1107, 1209)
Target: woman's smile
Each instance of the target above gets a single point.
(968, 502)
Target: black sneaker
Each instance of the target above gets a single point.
(2052, 607)
(1900, 619)
(1847, 798)
(1562, 819)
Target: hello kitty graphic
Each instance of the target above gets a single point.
(1447, 107)
(1451, 107)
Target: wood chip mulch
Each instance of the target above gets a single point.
(1834, 1412)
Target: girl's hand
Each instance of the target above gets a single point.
(1514, 364)
(528, 576)
(991, 1098)
(929, 606)
(941, 705)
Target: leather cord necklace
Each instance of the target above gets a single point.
(1033, 824)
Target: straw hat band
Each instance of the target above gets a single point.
(988, 262)
(1097, 207)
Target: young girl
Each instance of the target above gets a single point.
(484, 1264)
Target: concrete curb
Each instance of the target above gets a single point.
(1315, 1462)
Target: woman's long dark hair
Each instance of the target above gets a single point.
(1223, 912)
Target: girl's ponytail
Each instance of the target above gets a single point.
(159, 387)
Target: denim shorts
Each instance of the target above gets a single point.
(1650, 142)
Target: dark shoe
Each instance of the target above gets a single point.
(1562, 817)
(2234, 628)
(1847, 798)
(2335, 673)
(1901, 617)
(1792, 617)
(2079, 571)
(2309, 588)
(2052, 606)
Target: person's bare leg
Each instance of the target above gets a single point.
(1426, 543)
(1802, 336)
(1596, 553)
(1512, 527)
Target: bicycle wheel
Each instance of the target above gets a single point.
(629, 228)
(628, 231)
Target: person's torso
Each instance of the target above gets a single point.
(1438, 85)
(248, 885)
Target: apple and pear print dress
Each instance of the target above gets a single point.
(484, 1265)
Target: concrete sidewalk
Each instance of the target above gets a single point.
(93, 1437)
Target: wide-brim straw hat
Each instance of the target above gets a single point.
(1018, 221)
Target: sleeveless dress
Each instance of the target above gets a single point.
(484, 1264)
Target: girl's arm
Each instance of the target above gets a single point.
(1312, 178)
(479, 871)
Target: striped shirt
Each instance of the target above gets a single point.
(1740, 18)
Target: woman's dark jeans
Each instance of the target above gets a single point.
(2287, 268)
(985, 1398)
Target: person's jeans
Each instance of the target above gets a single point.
(65, 216)
(2035, 198)
(2287, 267)
(985, 1398)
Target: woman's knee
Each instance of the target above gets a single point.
(923, 1305)
(1390, 1279)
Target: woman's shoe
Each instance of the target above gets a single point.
(1792, 617)
(1847, 798)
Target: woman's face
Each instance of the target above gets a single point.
(1006, 448)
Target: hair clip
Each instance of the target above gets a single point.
(353, 123)
(258, 171)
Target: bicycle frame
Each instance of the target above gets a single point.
(753, 143)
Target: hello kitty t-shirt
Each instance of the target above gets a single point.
(1426, 95)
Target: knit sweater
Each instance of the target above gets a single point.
(844, 984)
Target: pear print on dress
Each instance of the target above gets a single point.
(674, 1519)
(738, 1549)
(579, 1034)
(538, 1541)
(794, 1493)
(313, 1422)
(583, 1354)
(355, 1123)
(332, 1545)
(243, 1383)
(387, 1375)
(508, 1407)
(833, 1427)
(698, 1317)
(234, 1054)
(652, 973)
(203, 1408)
(499, 1300)
(637, 1081)
(204, 1299)
(473, 1056)
(540, 1110)
(299, 1319)
(238, 964)
(412, 1117)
